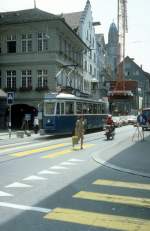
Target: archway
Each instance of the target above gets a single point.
(19, 112)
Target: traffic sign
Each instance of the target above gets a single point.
(10, 98)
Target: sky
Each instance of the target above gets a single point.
(105, 11)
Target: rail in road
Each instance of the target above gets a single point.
(105, 203)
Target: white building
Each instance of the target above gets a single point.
(82, 23)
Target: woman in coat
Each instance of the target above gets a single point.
(79, 130)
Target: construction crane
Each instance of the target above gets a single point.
(119, 89)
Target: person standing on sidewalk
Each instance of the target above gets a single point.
(79, 129)
(141, 122)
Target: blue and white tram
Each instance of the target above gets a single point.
(61, 110)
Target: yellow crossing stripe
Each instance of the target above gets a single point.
(135, 201)
(66, 151)
(98, 220)
(122, 184)
(29, 152)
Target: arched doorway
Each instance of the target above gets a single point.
(19, 112)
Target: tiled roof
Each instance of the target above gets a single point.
(73, 19)
(22, 16)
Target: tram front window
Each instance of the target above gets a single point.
(49, 108)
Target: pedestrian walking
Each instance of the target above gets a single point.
(79, 130)
(36, 124)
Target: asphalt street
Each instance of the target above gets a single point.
(45, 184)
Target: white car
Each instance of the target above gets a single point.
(132, 119)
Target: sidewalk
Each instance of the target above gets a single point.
(4, 135)
(134, 159)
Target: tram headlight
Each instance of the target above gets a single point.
(48, 121)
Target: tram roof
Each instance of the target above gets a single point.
(67, 96)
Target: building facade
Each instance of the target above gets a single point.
(34, 46)
(82, 23)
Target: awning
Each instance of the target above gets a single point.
(2, 94)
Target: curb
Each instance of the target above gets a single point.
(120, 169)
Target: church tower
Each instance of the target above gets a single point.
(112, 49)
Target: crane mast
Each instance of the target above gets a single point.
(122, 30)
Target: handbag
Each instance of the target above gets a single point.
(75, 140)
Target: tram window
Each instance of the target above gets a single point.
(62, 109)
(90, 109)
(103, 108)
(79, 108)
(69, 108)
(85, 108)
(49, 108)
(58, 109)
(99, 109)
(95, 108)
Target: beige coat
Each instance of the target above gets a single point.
(79, 129)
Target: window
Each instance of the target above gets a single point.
(11, 79)
(49, 108)
(26, 42)
(94, 58)
(69, 107)
(79, 108)
(42, 78)
(85, 65)
(62, 108)
(90, 69)
(42, 42)
(0, 79)
(11, 44)
(26, 79)
(58, 109)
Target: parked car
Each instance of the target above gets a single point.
(132, 119)
(124, 120)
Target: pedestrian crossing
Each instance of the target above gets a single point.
(106, 219)
(99, 220)
(50, 148)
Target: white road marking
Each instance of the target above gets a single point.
(4, 194)
(48, 172)
(76, 160)
(24, 207)
(18, 185)
(11, 145)
(33, 177)
(68, 163)
(58, 167)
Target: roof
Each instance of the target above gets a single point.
(131, 60)
(73, 19)
(23, 16)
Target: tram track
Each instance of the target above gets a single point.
(6, 157)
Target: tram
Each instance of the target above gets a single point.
(61, 110)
